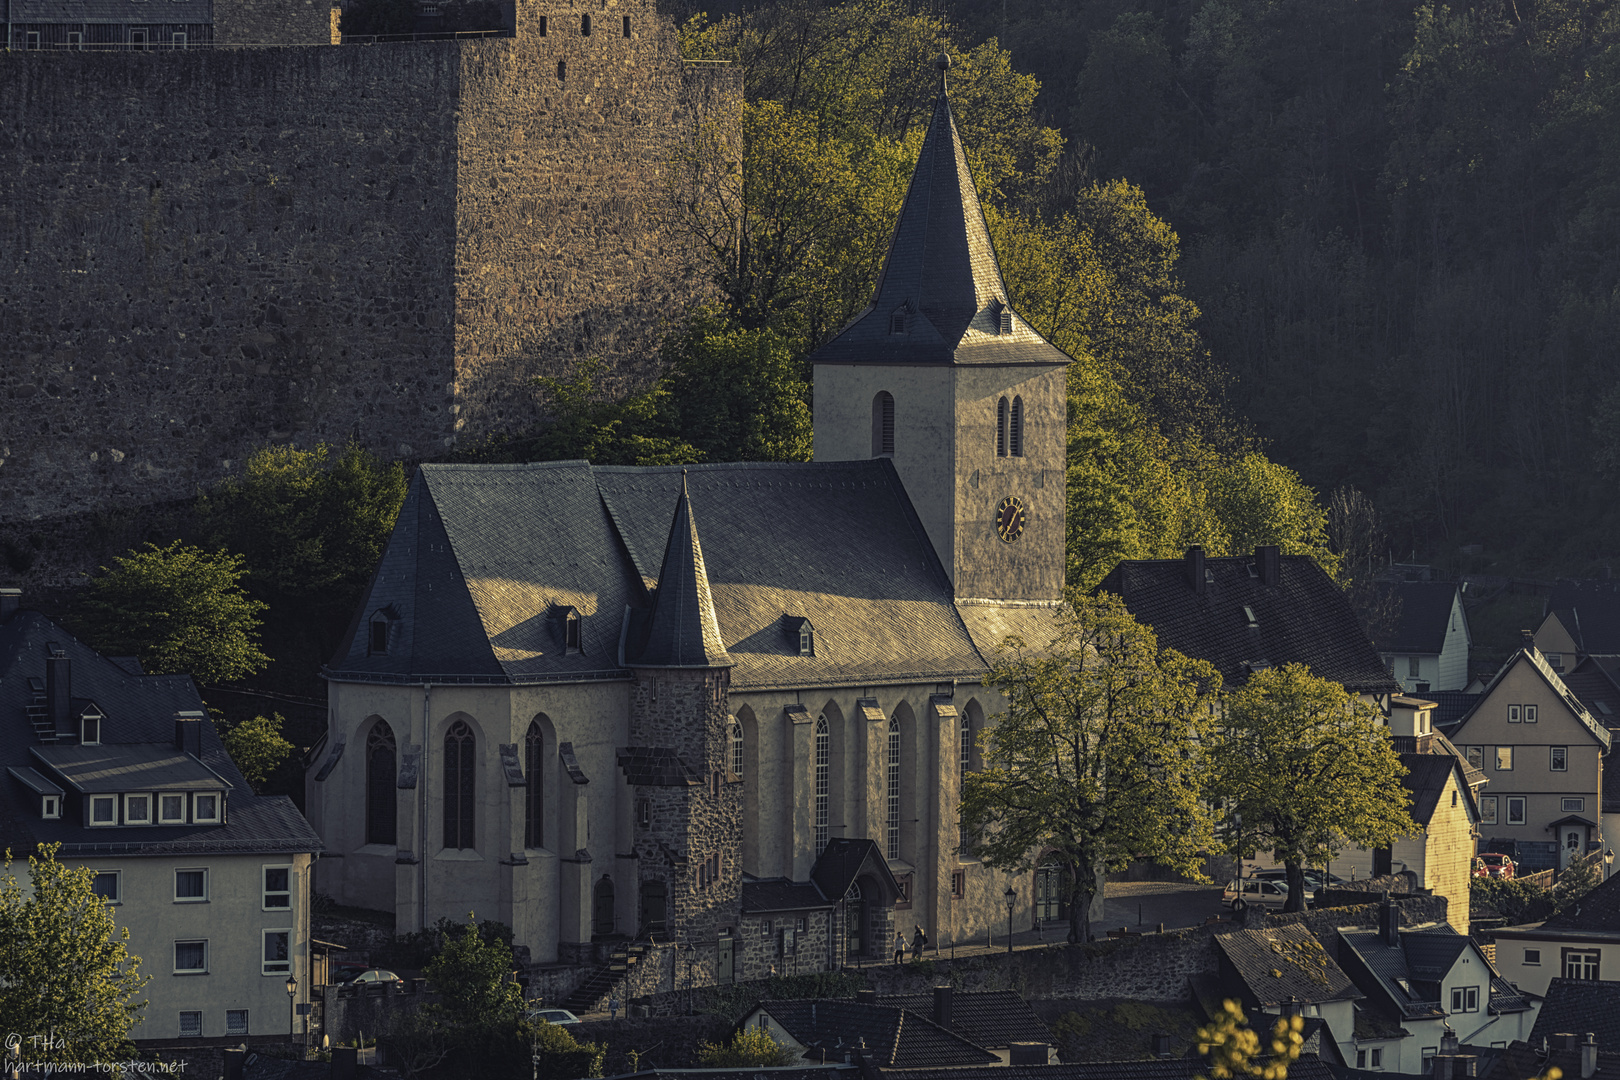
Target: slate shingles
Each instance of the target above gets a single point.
(780, 894)
(894, 1037)
(1580, 1006)
(1285, 961)
(992, 1018)
(1425, 616)
(655, 766)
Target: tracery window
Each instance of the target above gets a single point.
(893, 847)
(459, 746)
(534, 757)
(736, 749)
(823, 780)
(381, 799)
(966, 766)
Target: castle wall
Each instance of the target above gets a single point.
(273, 22)
(206, 251)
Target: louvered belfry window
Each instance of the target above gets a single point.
(534, 758)
(1015, 430)
(459, 745)
(1001, 428)
(883, 424)
(381, 799)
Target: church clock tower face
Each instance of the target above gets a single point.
(1010, 518)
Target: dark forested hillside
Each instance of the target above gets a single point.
(1402, 225)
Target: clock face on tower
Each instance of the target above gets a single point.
(1010, 518)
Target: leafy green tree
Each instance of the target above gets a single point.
(416, 1040)
(1518, 900)
(737, 395)
(748, 1048)
(1097, 757)
(473, 975)
(178, 609)
(1234, 1050)
(1301, 767)
(1574, 882)
(257, 747)
(68, 973)
(559, 1056)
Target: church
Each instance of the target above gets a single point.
(725, 706)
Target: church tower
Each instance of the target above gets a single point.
(943, 377)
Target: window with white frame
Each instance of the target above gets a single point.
(50, 806)
(1414, 667)
(191, 957)
(1487, 809)
(736, 748)
(90, 729)
(236, 1021)
(1515, 809)
(1532, 958)
(137, 809)
(1574, 806)
(277, 888)
(190, 886)
(1558, 758)
(892, 847)
(106, 885)
(1529, 714)
(103, 810)
(1464, 999)
(1378, 1057)
(205, 808)
(1581, 964)
(277, 952)
(171, 809)
(1515, 714)
(191, 1023)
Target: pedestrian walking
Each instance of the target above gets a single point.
(613, 1007)
(919, 941)
(899, 948)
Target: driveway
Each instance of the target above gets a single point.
(1143, 905)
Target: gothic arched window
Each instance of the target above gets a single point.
(883, 424)
(736, 733)
(966, 767)
(534, 757)
(894, 788)
(1001, 428)
(381, 799)
(459, 746)
(1015, 429)
(823, 780)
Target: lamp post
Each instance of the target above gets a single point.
(292, 1009)
(1012, 900)
(1608, 863)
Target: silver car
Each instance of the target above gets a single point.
(1242, 893)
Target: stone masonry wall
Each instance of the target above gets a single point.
(205, 251)
(273, 22)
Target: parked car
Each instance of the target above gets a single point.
(1314, 880)
(345, 970)
(376, 975)
(1242, 893)
(553, 1016)
(1493, 864)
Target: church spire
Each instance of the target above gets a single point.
(941, 297)
(683, 631)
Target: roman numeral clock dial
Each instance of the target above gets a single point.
(1010, 519)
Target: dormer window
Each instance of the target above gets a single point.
(50, 807)
(569, 628)
(137, 809)
(103, 810)
(897, 322)
(205, 809)
(381, 631)
(801, 635)
(571, 632)
(90, 729)
(171, 809)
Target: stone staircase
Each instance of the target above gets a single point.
(593, 993)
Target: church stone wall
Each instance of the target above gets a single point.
(207, 251)
(273, 22)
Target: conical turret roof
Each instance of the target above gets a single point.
(941, 298)
(683, 631)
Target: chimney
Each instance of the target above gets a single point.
(1588, 1056)
(188, 732)
(1268, 557)
(1027, 1053)
(233, 1062)
(1195, 569)
(866, 996)
(1527, 641)
(58, 688)
(344, 1062)
(1448, 1041)
(1389, 922)
(942, 1007)
(1565, 1040)
(10, 603)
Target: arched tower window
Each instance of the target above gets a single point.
(1015, 429)
(534, 759)
(459, 747)
(823, 780)
(883, 424)
(1001, 428)
(736, 749)
(381, 799)
(893, 847)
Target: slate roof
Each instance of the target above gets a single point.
(894, 1037)
(1425, 779)
(1303, 619)
(1594, 684)
(1590, 611)
(1280, 962)
(108, 768)
(844, 860)
(940, 276)
(1533, 657)
(1425, 955)
(482, 557)
(682, 631)
(655, 766)
(108, 11)
(139, 723)
(1425, 617)
(1306, 1068)
(1579, 1006)
(1450, 706)
(990, 1018)
(780, 894)
(1598, 911)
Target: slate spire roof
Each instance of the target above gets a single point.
(683, 631)
(941, 298)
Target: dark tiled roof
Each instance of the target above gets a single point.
(655, 766)
(682, 631)
(1554, 682)
(1450, 706)
(1420, 963)
(780, 894)
(1425, 617)
(1593, 683)
(991, 1018)
(842, 861)
(894, 1037)
(940, 276)
(1425, 778)
(1578, 1006)
(105, 768)
(1506, 999)
(1590, 611)
(1306, 1068)
(140, 712)
(1303, 619)
(1611, 780)
(1598, 910)
(1285, 961)
(484, 555)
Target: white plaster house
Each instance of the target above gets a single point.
(1427, 648)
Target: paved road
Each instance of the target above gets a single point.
(1142, 905)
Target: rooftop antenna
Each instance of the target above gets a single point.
(943, 62)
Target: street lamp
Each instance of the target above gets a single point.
(292, 1009)
(1012, 900)
(1608, 863)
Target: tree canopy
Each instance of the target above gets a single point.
(257, 747)
(1097, 758)
(1301, 768)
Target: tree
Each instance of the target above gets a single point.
(1301, 768)
(473, 975)
(748, 1048)
(1096, 759)
(1357, 537)
(178, 609)
(735, 394)
(68, 973)
(557, 1055)
(1232, 1046)
(416, 1040)
(257, 747)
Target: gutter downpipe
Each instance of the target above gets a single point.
(421, 805)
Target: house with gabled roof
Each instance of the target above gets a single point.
(1581, 943)
(1581, 618)
(594, 702)
(828, 1029)
(126, 774)
(994, 1019)
(1426, 648)
(1543, 754)
(1277, 970)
